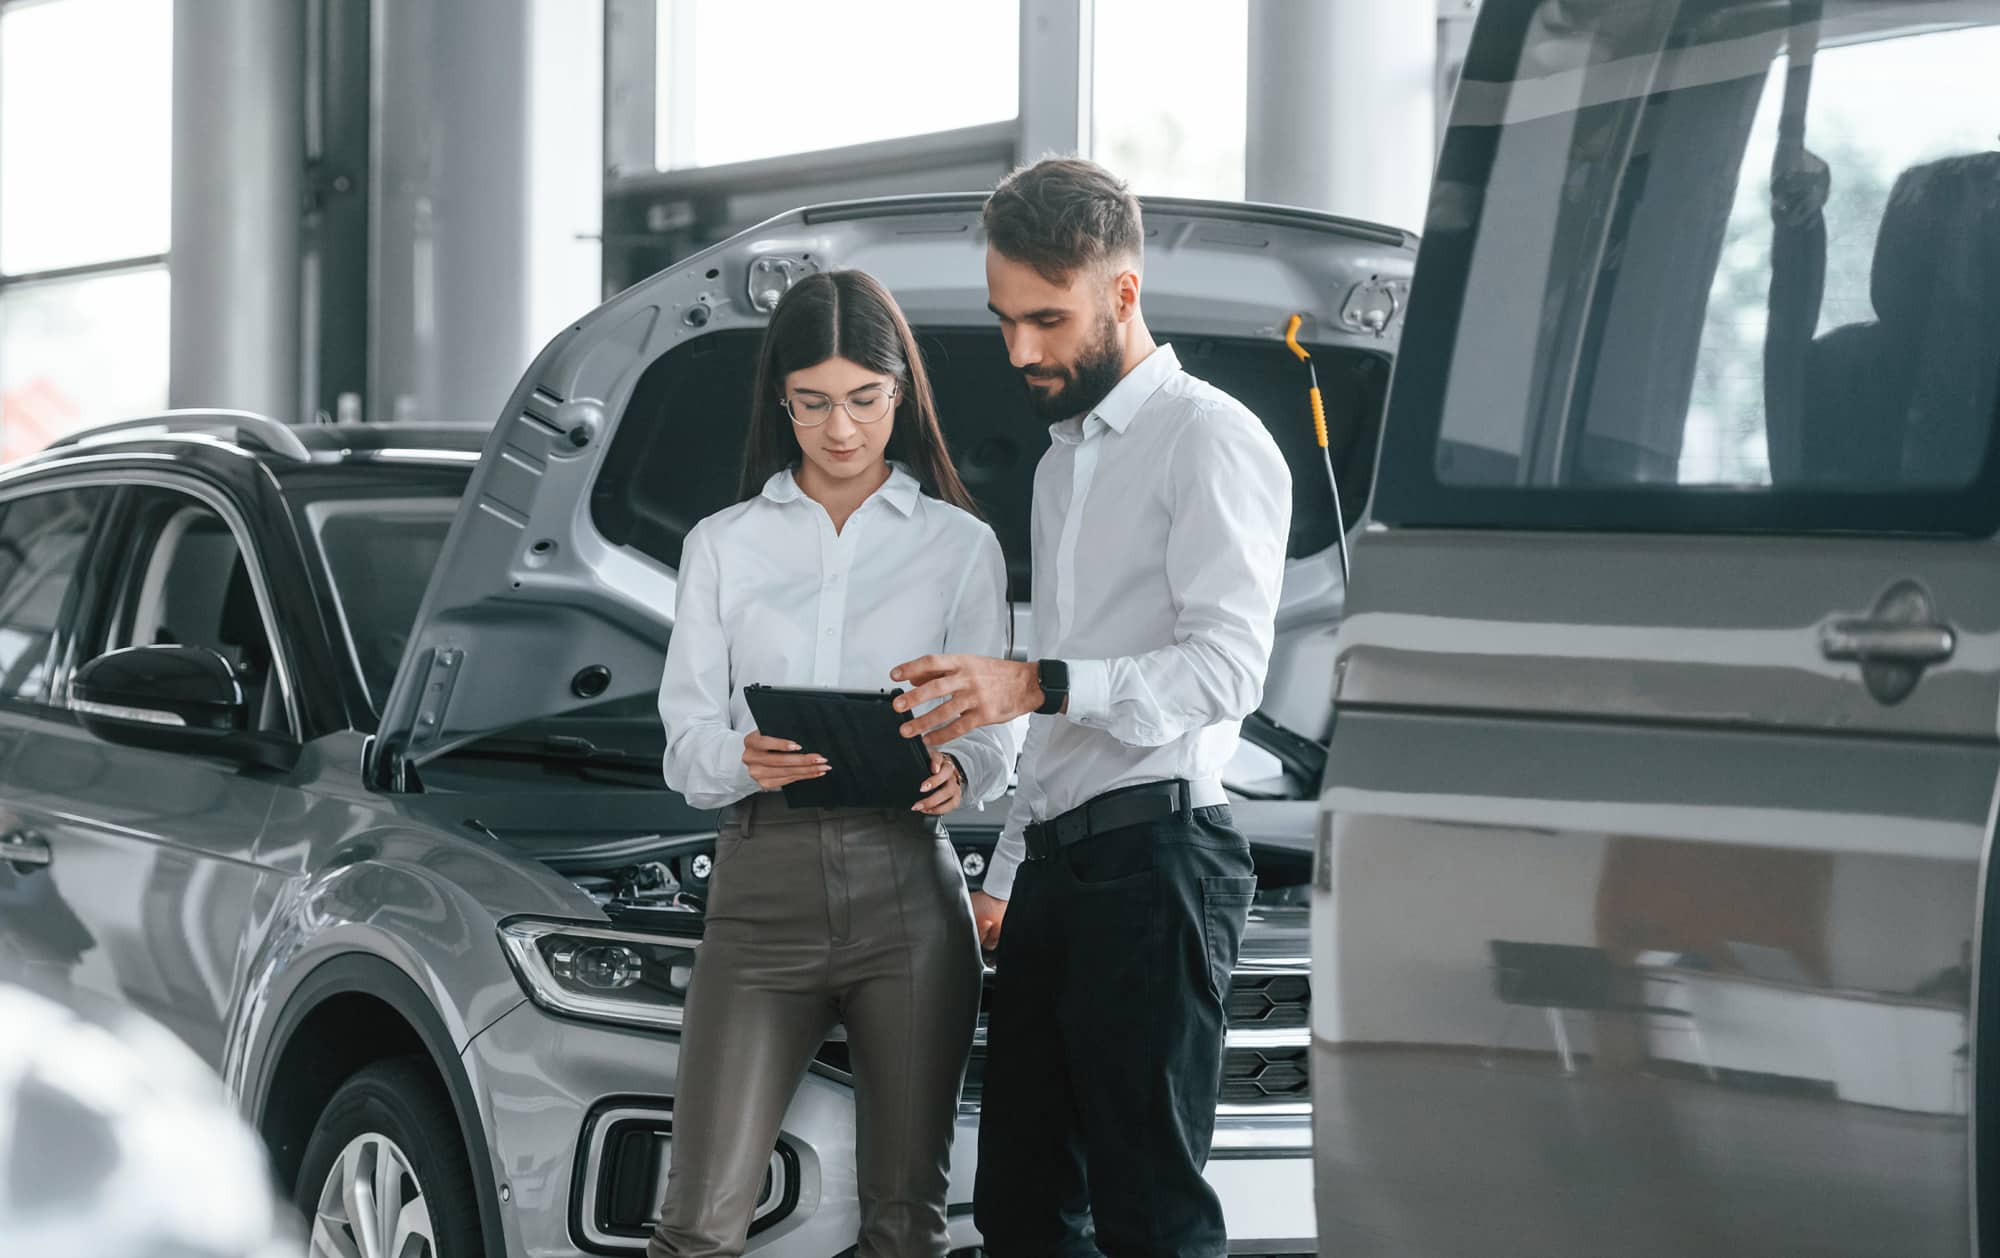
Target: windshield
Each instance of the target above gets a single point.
(379, 553)
(1751, 247)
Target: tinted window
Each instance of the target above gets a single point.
(1694, 265)
(42, 540)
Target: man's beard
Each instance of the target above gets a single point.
(1096, 373)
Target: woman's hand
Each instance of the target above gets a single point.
(944, 788)
(773, 762)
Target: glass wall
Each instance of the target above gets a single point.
(743, 81)
(85, 213)
(1170, 92)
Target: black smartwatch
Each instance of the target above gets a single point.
(1054, 676)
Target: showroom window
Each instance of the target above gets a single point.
(85, 213)
(1170, 94)
(730, 74)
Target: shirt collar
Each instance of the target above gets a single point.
(1122, 404)
(901, 490)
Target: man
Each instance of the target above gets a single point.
(1161, 515)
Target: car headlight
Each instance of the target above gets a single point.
(590, 972)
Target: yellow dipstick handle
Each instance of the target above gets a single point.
(1319, 431)
(1292, 339)
(1319, 406)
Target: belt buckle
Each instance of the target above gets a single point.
(1040, 841)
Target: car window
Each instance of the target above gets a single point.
(1743, 270)
(380, 554)
(189, 584)
(42, 538)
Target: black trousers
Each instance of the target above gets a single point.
(1104, 1043)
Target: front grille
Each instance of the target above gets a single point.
(1252, 1075)
(1270, 1001)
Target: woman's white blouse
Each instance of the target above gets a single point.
(770, 594)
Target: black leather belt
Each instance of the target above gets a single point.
(1115, 810)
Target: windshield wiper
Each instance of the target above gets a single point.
(571, 753)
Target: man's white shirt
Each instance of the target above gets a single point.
(1160, 526)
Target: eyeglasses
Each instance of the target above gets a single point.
(810, 410)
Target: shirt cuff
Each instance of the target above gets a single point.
(730, 773)
(1000, 876)
(1089, 691)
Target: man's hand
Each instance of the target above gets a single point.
(773, 762)
(987, 913)
(977, 691)
(944, 789)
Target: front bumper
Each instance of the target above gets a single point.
(567, 1104)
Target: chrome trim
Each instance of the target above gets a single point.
(1245, 1037)
(412, 454)
(267, 432)
(1276, 1109)
(593, 1166)
(1259, 1037)
(1249, 1037)
(1264, 967)
(519, 936)
(119, 712)
(1288, 1133)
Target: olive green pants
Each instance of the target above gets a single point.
(817, 918)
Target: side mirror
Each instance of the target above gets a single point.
(173, 698)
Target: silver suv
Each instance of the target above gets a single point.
(1653, 906)
(346, 766)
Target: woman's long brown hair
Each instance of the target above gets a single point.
(847, 314)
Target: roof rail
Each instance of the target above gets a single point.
(242, 427)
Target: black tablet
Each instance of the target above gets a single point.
(874, 766)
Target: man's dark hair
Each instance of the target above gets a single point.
(1063, 214)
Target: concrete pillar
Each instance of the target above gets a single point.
(1056, 40)
(489, 152)
(1342, 109)
(238, 188)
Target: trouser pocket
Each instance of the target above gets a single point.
(1225, 909)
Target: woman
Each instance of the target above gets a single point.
(855, 547)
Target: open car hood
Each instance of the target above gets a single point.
(555, 588)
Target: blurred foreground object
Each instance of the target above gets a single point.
(116, 1139)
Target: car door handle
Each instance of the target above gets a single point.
(1887, 641)
(25, 849)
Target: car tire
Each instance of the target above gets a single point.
(389, 1133)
